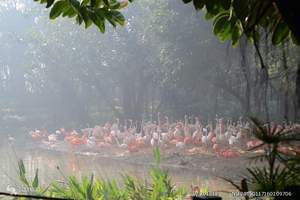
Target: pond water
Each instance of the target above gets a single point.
(56, 165)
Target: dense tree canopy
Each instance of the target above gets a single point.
(231, 19)
(88, 11)
(65, 75)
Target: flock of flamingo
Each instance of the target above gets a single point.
(225, 138)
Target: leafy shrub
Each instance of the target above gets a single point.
(160, 187)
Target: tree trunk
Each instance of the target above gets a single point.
(286, 86)
(128, 98)
(298, 87)
(246, 73)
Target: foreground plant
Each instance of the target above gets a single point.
(160, 186)
(278, 143)
(277, 169)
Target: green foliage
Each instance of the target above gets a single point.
(35, 182)
(32, 187)
(135, 188)
(22, 173)
(260, 178)
(157, 155)
(278, 173)
(90, 12)
(280, 34)
(278, 170)
(231, 18)
(234, 18)
(274, 135)
(87, 189)
(160, 187)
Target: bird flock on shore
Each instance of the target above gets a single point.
(225, 138)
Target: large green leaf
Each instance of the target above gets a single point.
(70, 12)
(75, 4)
(35, 182)
(85, 16)
(49, 3)
(236, 34)
(98, 20)
(115, 5)
(220, 22)
(281, 32)
(58, 8)
(21, 167)
(226, 31)
(22, 173)
(118, 17)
